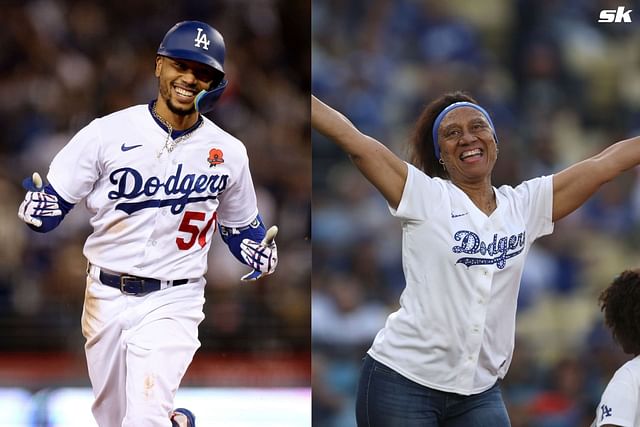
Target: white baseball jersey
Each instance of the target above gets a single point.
(620, 403)
(154, 212)
(455, 328)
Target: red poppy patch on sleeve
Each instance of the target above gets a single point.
(215, 157)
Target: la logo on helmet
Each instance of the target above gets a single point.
(201, 38)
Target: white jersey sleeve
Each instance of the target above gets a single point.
(620, 401)
(238, 205)
(536, 198)
(422, 196)
(76, 168)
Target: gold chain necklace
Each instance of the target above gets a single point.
(169, 143)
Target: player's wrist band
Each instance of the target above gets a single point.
(133, 285)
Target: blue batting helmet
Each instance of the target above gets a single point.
(199, 42)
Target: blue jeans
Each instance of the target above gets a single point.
(387, 399)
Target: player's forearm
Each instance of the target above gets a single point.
(338, 128)
(45, 210)
(618, 158)
(385, 171)
(573, 186)
(233, 237)
(378, 164)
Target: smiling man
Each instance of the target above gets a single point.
(158, 180)
(189, 67)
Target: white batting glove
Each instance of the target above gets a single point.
(38, 204)
(262, 257)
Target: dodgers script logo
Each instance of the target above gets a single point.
(130, 184)
(499, 250)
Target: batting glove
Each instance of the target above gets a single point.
(262, 257)
(37, 203)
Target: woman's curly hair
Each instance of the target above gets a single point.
(620, 303)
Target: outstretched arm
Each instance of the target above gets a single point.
(574, 185)
(377, 163)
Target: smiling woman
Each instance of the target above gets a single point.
(464, 144)
(464, 245)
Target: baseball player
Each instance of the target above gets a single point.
(158, 180)
(620, 402)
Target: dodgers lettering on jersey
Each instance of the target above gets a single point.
(154, 211)
(130, 185)
(505, 247)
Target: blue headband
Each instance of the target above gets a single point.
(436, 124)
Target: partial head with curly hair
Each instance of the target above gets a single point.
(620, 303)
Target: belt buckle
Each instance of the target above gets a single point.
(124, 278)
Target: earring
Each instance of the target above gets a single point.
(442, 163)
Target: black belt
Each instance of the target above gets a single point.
(134, 285)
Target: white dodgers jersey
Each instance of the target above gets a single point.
(154, 212)
(620, 402)
(455, 327)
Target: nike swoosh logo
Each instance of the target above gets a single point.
(453, 215)
(131, 147)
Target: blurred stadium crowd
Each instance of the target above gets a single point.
(65, 62)
(560, 87)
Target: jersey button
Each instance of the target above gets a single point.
(154, 242)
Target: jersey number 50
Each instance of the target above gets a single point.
(196, 234)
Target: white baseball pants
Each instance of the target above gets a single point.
(138, 349)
